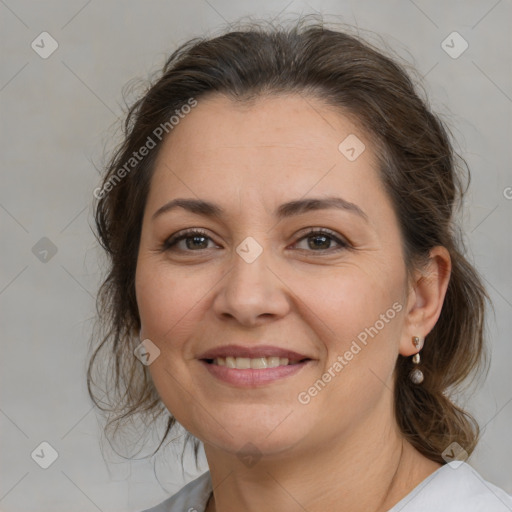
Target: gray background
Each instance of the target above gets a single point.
(58, 115)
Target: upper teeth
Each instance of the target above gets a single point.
(243, 363)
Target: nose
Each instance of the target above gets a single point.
(252, 292)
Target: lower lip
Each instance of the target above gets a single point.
(250, 377)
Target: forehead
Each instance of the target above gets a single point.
(285, 123)
(279, 145)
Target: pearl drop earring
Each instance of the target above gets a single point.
(416, 374)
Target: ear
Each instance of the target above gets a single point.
(425, 300)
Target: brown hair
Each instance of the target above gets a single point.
(419, 167)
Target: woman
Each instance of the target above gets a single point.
(286, 280)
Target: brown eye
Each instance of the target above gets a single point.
(194, 240)
(320, 240)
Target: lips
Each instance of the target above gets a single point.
(251, 352)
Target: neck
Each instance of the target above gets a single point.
(369, 469)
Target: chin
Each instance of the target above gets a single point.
(267, 435)
(249, 447)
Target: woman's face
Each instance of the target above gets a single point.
(255, 277)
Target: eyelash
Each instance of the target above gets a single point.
(169, 244)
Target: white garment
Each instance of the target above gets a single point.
(454, 487)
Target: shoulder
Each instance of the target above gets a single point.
(455, 487)
(190, 498)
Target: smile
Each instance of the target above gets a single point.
(257, 363)
(239, 371)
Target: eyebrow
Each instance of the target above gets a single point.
(289, 209)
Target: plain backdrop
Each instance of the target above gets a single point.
(59, 113)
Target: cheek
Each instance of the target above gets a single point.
(362, 320)
(166, 303)
(362, 346)
(352, 298)
(164, 298)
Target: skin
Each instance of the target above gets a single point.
(342, 450)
